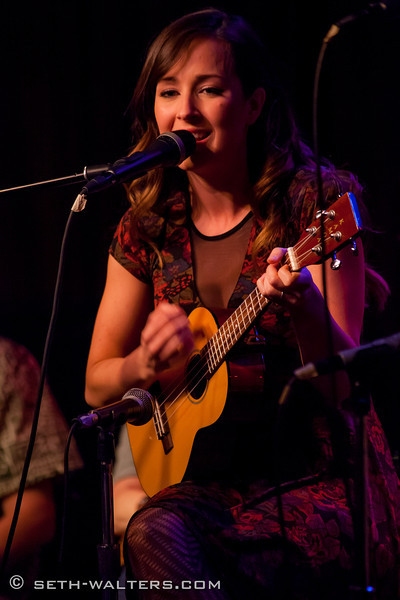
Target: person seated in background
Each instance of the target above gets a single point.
(37, 520)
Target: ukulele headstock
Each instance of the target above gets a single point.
(336, 227)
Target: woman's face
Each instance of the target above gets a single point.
(202, 94)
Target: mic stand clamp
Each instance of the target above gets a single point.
(108, 551)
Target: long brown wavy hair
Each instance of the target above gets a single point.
(275, 147)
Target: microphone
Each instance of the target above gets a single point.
(371, 9)
(136, 407)
(168, 150)
(91, 171)
(363, 357)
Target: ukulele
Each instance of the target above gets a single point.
(194, 397)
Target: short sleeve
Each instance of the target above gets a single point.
(131, 254)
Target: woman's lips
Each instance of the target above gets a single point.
(200, 136)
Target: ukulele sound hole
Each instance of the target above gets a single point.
(196, 377)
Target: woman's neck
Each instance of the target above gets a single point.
(216, 211)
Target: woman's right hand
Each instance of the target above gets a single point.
(132, 341)
(166, 339)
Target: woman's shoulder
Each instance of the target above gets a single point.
(151, 223)
(335, 182)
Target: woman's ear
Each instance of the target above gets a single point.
(256, 103)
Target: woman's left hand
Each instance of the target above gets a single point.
(281, 285)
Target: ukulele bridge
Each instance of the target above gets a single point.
(161, 426)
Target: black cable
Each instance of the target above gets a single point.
(320, 193)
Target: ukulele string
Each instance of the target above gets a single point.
(211, 356)
(301, 256)
(210, 353)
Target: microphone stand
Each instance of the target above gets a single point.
(87, 174)
(361, 588)
(108, 552)
(361, 403)
(136, 407)
(360, 396)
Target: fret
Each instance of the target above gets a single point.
(216, 349)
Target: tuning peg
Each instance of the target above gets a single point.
(335, 263)
(330, 214)
(311, 230)
(317, 249)
(354, 248)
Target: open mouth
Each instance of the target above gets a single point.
(200, 135)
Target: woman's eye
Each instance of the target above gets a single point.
(168, 93)
(211, 90)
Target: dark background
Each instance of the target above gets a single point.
(67, 73)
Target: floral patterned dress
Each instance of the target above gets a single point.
(282, 510)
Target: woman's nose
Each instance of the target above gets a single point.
(187, 108)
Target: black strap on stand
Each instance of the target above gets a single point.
(108, 552)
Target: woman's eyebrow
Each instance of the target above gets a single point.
(198, 78)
